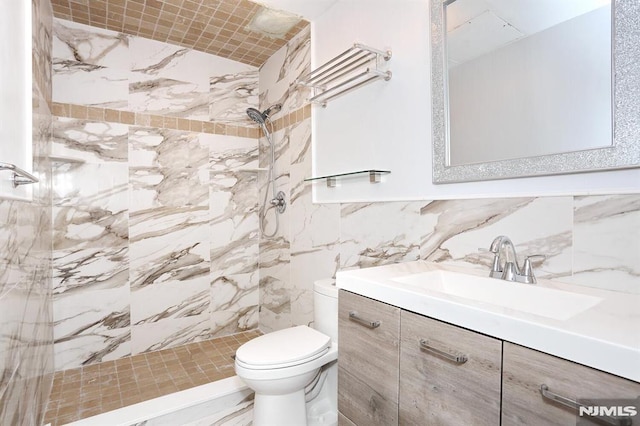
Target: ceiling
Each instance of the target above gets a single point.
(218, 27)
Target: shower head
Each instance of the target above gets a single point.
(260, 117)
(256, 115)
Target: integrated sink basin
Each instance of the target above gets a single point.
(532, 299)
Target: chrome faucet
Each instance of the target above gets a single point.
(505, 262)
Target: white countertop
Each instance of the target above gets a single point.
(605, 336)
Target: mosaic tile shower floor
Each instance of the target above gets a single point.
(84, 392)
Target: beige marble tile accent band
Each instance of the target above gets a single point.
(126, 117)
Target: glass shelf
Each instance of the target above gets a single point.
(374, 176)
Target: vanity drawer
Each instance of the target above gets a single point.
(525, 370)
(368, 390)
(438, 389)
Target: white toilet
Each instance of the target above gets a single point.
(294, 371)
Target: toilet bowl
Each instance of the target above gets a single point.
(291, 370)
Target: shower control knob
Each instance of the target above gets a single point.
(279, 202)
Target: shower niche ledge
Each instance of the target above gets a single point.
(375, 176)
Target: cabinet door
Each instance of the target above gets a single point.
(368, 360)
(438, 389)
(526, 370)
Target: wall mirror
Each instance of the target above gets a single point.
(534, 87)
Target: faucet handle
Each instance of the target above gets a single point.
(496, 268)
(527, 269)
(510, 272)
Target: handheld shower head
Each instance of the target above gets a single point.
(256, 115)
(260, 117)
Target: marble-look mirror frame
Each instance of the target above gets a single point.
(624, 152)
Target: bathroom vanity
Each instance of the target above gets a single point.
(418, 347)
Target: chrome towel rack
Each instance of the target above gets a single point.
(20, 177)
(353, 68)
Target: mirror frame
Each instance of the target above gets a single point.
(623, 153)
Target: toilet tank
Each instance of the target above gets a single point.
(325, 307)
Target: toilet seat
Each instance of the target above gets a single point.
(283, 348)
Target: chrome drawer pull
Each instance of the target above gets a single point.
(353, 316)
(458, 358)
(575, 405)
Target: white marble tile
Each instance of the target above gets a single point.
(231, 95)
(77, 42)
(91, 326)
(234, 303)
(85, 184)
(168, 244)
(606, 242)
(90, 85)
(456, 229)
(168, 168)
(92, 348)
(302, 307)
(169, 300)
(379, 233)
(164, 96)
(89, 141)
(233, 153)
(90, 205)
(279, 74)
(166, 334)
(90, 66)
(164, 60)
(234, 223)
(275, 285)
(82, 270)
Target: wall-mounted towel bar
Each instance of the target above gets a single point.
(353, 68)
(20, 177)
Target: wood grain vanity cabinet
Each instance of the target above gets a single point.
(400, 368)
(525, 370)
(368, 344)
(448, 375)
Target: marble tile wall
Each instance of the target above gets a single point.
(26, 337)
(588, 240)
(155, 194)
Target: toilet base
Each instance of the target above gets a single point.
(281, 410)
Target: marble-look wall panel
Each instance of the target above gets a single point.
(91, 242)
(90, 45)
(168, 97)
(26, 335)
(168, 168)
(231, 95)
(374, 234)
(141, 210)
(234, 234)
(91, 226)
(461, 231)
(606, 242)
(103, 68)
(90, 66)
(280, 74)
(275, 252)
(315, 229)
(90, 141)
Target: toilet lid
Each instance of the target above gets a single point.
(283, 348)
